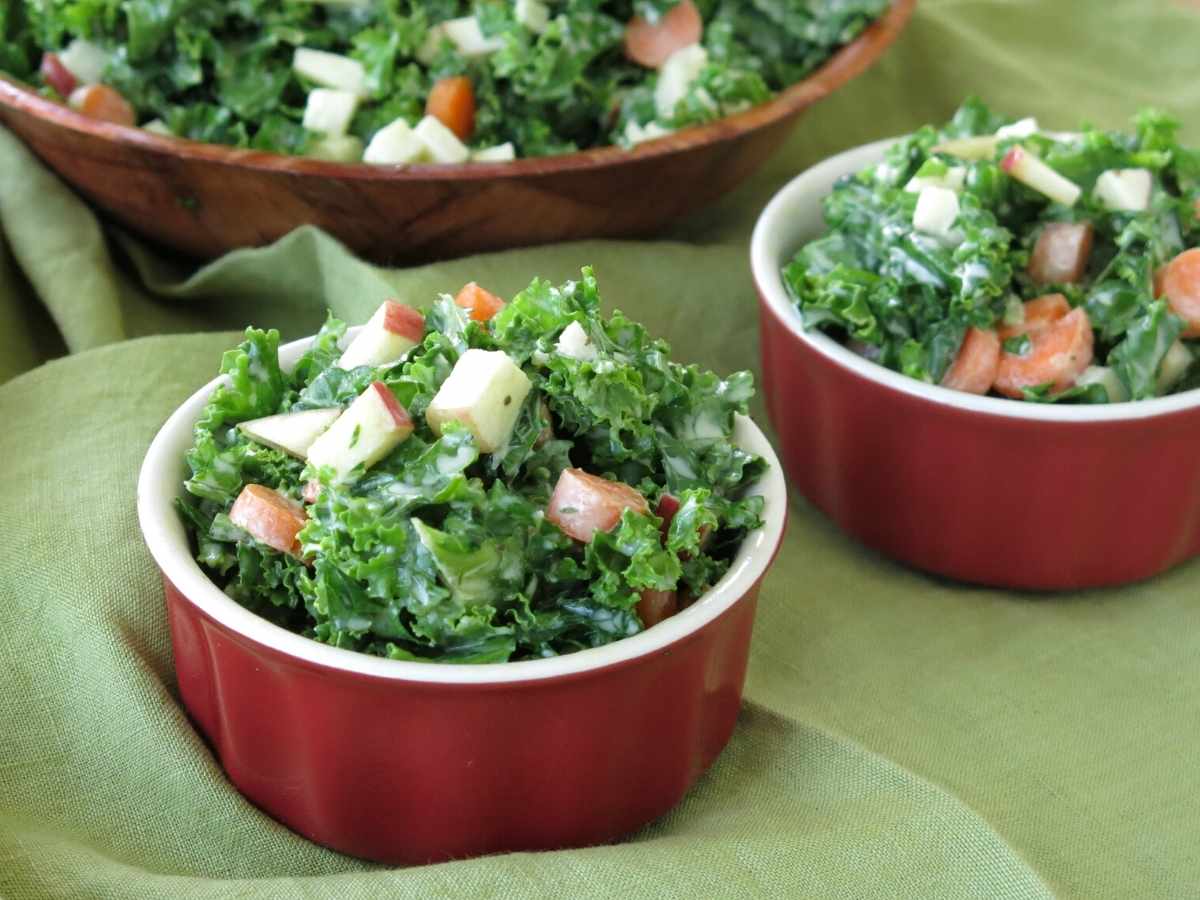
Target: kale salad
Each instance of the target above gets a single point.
(480, 482)
(993, 256)
(397, 81)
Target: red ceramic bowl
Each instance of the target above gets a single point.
(405, 762)
(981, 489)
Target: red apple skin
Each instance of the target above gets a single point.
(399, 414)
(654, 606)
(668, 505)
(269, 517)
(58, 76)
(312, 490)
(402, 319)
(583, 504)
(1012, 159)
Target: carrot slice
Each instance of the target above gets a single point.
(649, 44)
(1181, 287)
(482, 304)
(1061, 253)
(452, 101)
(99, 101)
(1039, 313)
(1058, 354)
(583, 504)
(269, 517)
(974, 369)
(654, 606)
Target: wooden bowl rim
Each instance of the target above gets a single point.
(844, 65)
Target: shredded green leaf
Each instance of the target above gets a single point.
(441, 552)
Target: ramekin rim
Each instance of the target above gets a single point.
(765, 268)
(165, 537)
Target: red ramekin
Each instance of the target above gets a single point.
(407, 762)
(981, 489)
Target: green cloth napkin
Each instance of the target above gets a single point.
(902, 736)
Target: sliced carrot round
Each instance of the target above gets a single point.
(1181, 287)
(1061, 253)
(974, 369)
(482, 304)
(452, 101)
(1057, 356)
(99, 101)
(1039, 313)
(649, 44)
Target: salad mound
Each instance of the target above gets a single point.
(443, 81)
(992, 256)
(481, 482)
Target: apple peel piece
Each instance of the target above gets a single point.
(373, 425)
(583, 504)
(393, 330)
(484, 392)
(293, 432)
(1032, 172)
(269, 517)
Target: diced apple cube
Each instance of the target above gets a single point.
(311, 490)
(1021, 129)
(393, 329)
(575, 343)
(583, 504)
(373, 426)
(937, 208)
(469, 38)
(395, 144)
(969, 148)
(500, 153)
(293, 432)
(85, 61)
(1061, 253)
(269, 517)
(533, 14)
(1032, 172)
(441, 144)
(1174, 366)
(58, 76)
(1106, 377)
(638, 134)
(159, 127)
(1125, 190)
(342, 148)
(485, 391)
(329, 111)
(331, 70)
(675, 78)
(466, 36)
(953, 179)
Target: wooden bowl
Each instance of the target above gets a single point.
(208, 199)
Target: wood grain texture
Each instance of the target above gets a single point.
(206, 199)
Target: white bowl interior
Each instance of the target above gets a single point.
(794, 216)
(161, 481)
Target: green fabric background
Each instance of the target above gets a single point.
(902, 736)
